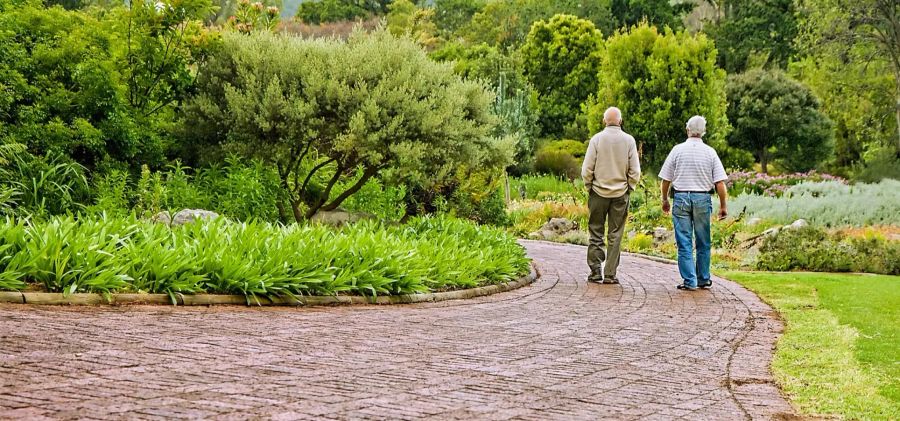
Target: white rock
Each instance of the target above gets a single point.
(753, 221)
(800, 223)
(186, 216)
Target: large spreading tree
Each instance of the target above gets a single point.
(561, 60)
(777, 117)
(659, 80)
(328, 113)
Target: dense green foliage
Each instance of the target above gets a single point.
(321, 110)
(660, 13)
(505, 24)
(659, 80)
(755, 33)
(96, 86)
(560, 59)
(322, 11)
(776, 117)
(813, 249)
(837, 358)
(851, 59)
(111, 254)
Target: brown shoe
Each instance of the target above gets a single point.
(610, 281)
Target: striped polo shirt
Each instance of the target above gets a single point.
(693, 166)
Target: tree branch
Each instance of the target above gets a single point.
(313, 171)
(324, 196)
(367, 174)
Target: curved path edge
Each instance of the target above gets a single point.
(747, 379)
(49, 298)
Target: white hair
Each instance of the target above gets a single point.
(612, 115)
(696, 126)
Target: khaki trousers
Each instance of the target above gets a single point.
(605, 211)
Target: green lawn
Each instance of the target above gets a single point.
(840, 354)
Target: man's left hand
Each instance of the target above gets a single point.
(723, 213)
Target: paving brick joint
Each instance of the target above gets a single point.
(559, 348)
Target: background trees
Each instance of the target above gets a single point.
(755, 32)
(561, 60)
(325, 112)
(659, 80)
(777, 117)
(850, 57)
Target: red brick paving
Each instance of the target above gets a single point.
(558, 349)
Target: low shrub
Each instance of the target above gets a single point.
(123, 254)
(544, 187)
(830, 204)
(557, 163)
(640, 242)
(572, 147)
(815, 249)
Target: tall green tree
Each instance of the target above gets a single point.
(661, 13)
(327, 112)
(506, 24)
(776, 117)
(324, 11)
(561, 60)
(451, 15)
(659, 80)
(758, 32)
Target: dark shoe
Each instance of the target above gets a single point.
(610, 281)
(707, 285)
(685, 287)
(597, 279)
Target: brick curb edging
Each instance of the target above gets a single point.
(49, 298)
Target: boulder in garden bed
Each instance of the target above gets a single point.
(340, 217)
(185, 216)
(554, 229)
(662, 235)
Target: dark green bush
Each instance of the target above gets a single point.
(816, 250)
(557, 163)
(572, 147)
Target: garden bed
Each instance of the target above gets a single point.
(256, 261)
(45, 298)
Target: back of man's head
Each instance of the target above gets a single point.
(696, 126)
(612, 116)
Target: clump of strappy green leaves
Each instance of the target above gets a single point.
(106, 254)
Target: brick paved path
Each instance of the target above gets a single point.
(558, 349)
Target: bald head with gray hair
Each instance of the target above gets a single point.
(696, 126)
(612, 116)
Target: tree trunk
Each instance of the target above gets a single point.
(897, 110)
(282, 212)
(764, 160)
(295, 207)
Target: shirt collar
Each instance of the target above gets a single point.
(695, 139)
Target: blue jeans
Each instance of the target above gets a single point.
(691, 213)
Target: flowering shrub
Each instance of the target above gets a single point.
(740, 182)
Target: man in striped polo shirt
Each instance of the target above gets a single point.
(693, 169)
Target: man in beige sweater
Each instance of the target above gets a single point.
(611, 170)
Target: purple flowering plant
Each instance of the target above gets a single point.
(748, 182)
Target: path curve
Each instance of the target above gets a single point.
(558, 349)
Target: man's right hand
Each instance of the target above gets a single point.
(666, 207)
